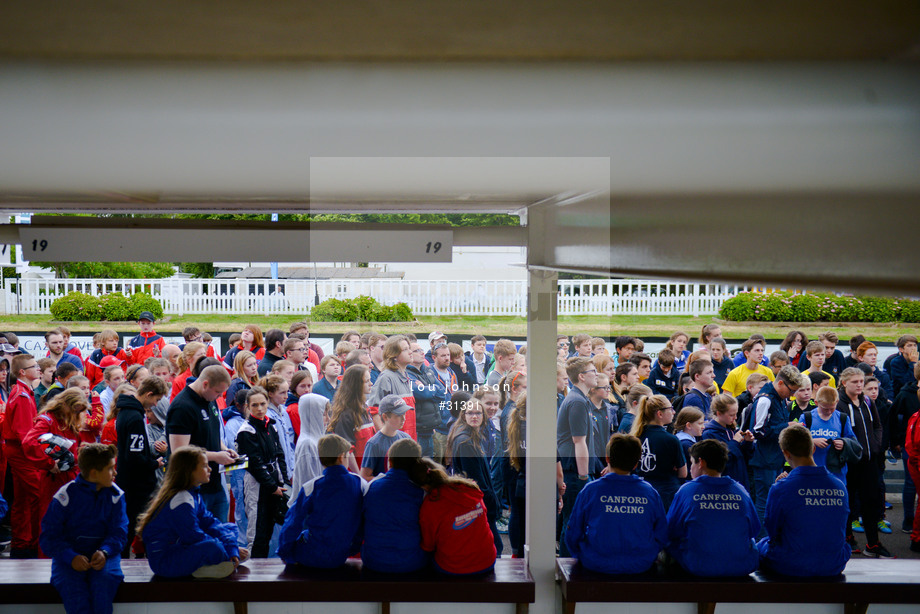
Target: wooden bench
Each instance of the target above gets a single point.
(864, 581)
(269, 580)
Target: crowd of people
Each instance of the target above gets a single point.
(276, 449)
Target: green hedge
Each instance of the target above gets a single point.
(818, 307)
(360, 309)
(115, 306)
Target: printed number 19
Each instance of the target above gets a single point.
(436, 246)
(39, 246)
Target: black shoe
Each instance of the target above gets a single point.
(854, 547)
(878, 551)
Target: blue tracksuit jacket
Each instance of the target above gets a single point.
(392, 537)
(323, 528)
(617, 526)
(80, 521)
(806, 522)
(184, 536)
(712, 524)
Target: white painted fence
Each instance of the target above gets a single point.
(474, 298)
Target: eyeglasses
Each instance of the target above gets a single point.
(671, 407)
(562, 345)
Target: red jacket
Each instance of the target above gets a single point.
(20, 413)
(109, 434)
(35, 452)
(92, 425)
(94, 371)
(454, 527)
(179, 383)
(144, 346)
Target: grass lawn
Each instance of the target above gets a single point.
(497, 326)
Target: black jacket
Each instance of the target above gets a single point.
(866, 424)
(136, 465)
(429, 393)
(905, 405)
(258, 440)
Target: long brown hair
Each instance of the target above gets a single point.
(113, 409)
(182, 464)
(68, 408)
(429, 474)
(241, 357)
(517, 423)
(648, 411)
(510, 381)
(350, 399)
(461, 427)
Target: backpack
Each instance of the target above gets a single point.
(843, 421)
(912, 436)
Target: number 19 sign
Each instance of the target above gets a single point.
(418, 244)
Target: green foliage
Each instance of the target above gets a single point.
(110, 270)
(817, 307)
(141, 301)
(115, 306)
(198, 269)
(360, 309)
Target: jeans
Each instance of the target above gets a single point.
(763, 480)
(425, 440)
(573, 486)
(217, 503)
(909, 494)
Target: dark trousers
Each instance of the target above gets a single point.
(862, 486)
(265, 521)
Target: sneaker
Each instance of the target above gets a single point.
(888, 506)
(878, 551)
(221, 570)
(502, 526)
(857, 527)
(907, 529)
(891, 458)
(854, 547)
(884, 526)
(914, 546)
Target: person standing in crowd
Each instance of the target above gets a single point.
(504, 353)
(19, 417)
(794, 345)
(329, 370)
(430, 396)
(57, 350)
(246, 368)
(770, 415)
(187, 359)
(349, 417)
(479, 358)
(396, 358)
(900, 366)
(137, 463)
(721, 360)
(574, 432)
(662, 463)
(375, 350)
(703, 376)
(752, 350)
(193, 420)
(664, 376)
(863, 475)
(250, 340)
(147, 343)
(274, 350)
(108, 340)
(467, 458)
(740, 444)
(302, 328)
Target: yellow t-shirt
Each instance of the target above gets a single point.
(736, 382)
(833, 383)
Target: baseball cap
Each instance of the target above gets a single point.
(392, 404)
(146, 315)
(436, 335)
(108, 361)
(9, 348)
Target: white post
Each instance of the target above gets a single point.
(541, 423)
